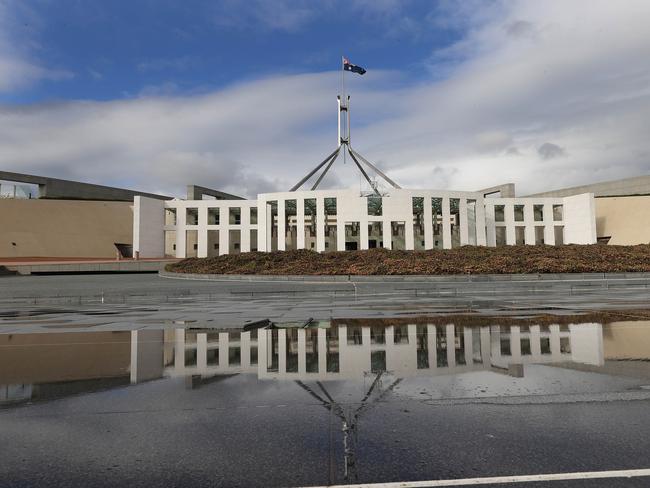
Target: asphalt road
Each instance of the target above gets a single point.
(239, 431)
(234, 303)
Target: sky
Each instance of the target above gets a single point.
(241, 95)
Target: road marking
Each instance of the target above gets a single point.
(588, 475)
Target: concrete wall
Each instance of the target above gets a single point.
(638, 185)
(63, 228)
(625, 219)
(579, 219)
(148, 224)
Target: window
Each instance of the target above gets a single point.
(234, 216)
(454, 214)
(170, 216)
(499, 213)
(525, 347)
(505, 346)
(253, 215)
(213, 216)
(401, 334)
(374, 206)
(191, 216)
(355, 337)
(520, 235)
(558, 211)
(418, 223)
(565, 345)
(559, 235)
(500, 236)
(539, 234)
(330, 206)
(545, 344)
(538, 213)
(519, 213)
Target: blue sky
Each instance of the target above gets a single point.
(115, 49)
(240, 95)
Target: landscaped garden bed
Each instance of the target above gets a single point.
(464, 260)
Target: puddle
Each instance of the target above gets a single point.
(341, 395)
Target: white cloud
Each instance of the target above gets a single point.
(571, 74)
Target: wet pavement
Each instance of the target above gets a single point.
(319, 402)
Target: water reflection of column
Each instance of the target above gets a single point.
(515, 344)
(302, 351)
(535, 342)
(469, 344)
(322, 351)
(451, 346)
(282, 351)
(263, 356)
(245, 348)
(202, 352)
(431, 346)
(224, 345)
(179, 351)
(485, 345)
(555, 342)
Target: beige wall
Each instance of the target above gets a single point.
(42, 358)
(63, 228)
(627, 340)
(626, 219)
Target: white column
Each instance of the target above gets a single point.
(409, 235)
(529, 221)
(387, 234)
(509, 210)
(446, 224)
(340, 235)
(489, 223)
(282, 231)
(320, 224)
(263, 227)
(180, 232)
(549, 230)
(300, 223)
(464, 225)
(481, 237)
(202, 234)
(224, 232)
(428, 224)
(363, 233)
(245, 230)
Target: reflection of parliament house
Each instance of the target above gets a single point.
(44, 366)
(350, 351)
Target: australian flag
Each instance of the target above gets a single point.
(348, 66)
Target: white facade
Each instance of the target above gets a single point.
(336, 220)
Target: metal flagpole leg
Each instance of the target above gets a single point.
(327, 168)
(301, 182)
(379, 172)
(362, 171)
